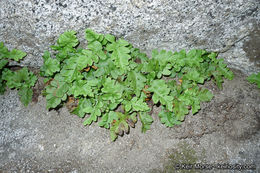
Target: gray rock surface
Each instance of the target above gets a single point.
(226, 130)
(230, 27)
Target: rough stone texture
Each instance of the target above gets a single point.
(227, 130)
(33, 139)
(230, 27)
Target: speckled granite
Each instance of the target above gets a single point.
(216, 25)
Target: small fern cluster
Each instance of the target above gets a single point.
(113, 83)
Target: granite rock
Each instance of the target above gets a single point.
(226, 130)
(215, 25)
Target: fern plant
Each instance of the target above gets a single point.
(254, 78)
(22, 80)
(114, 84)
